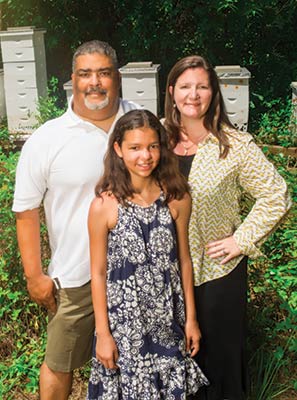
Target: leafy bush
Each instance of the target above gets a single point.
(273, 304)
(21, 321)
(256, 34)
(278, 123)
(49, 107)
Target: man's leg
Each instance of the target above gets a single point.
(54, 385)
(69, 341)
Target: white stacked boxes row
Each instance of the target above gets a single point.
(25, 77)
(140, 83)
(234, 84)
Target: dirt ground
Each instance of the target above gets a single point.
(79, 392)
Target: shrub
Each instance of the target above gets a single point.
(278, 124)
(22, 323)
(273, 303)
(49, 107)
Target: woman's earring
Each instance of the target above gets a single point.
(174, 104)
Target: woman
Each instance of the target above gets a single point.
(218, 161)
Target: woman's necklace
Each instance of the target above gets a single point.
(187, 148)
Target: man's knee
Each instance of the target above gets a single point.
(54, 385)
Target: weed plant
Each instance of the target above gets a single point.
(278, 123)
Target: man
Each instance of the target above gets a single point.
(60, 165)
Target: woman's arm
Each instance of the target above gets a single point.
(192, 332)
(102, 215)
(258, 177)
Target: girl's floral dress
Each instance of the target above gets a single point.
(146, 311)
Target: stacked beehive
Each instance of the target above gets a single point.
(234, 84)
(25, 80)
(140, 83)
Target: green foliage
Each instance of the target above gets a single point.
(49, 107)
(273, 303)
(278, 123)
(22, 323)
(257, 34)
(266, 367)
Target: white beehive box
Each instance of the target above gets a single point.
(68, 89)
(140, 83)
(234, 84)
(2, 96)
(25, 77)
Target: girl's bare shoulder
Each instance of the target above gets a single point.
(105, 206)
(105, 199)
(180, 206)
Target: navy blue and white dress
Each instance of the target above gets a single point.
(146, 311)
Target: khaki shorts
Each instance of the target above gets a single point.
(70, 331)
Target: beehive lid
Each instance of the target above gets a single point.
(16, 30)
(232, 71)
(141, 66)
(67, 85)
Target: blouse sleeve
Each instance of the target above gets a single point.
(258, 177)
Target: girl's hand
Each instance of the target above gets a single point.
(193, 336)
(107, 351)
(227, 248)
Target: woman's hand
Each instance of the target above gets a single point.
(107, 351)
(226, 247)
(193, 336)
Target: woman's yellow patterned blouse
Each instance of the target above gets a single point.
(216, 186)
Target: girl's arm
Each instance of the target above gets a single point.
(102, 214)
(182, 210)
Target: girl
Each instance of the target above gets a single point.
(141, 270)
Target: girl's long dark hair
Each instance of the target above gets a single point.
(116, 178)
(216, 116)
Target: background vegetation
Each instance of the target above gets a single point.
(256, 34)
(259, 35)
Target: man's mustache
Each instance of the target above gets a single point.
(96, 90)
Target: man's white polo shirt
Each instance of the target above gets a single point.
(60, 164)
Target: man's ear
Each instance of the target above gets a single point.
(118, 78)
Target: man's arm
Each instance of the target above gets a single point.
(40, 286)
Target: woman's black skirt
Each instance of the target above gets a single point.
(221, 313)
